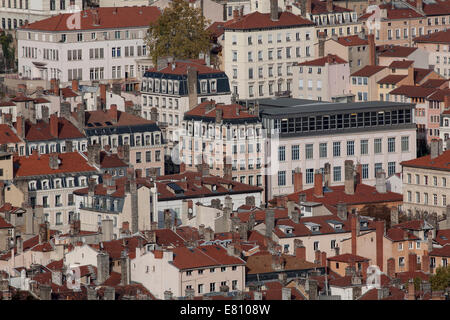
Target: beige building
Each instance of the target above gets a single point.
(426, 182)
(438, 46)
(364, 82)
(260, 48)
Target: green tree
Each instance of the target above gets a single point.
(440, 280)
(8, 52)
(180, 32)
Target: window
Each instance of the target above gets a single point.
(336, 149)
(323, 150)
(405, 143)
(377, 145)
(364, 147)
(391, 168)
(391, 144)
(309, 176)
(400, 246)
(282, 153)
(316, 245)
(309, 151)
(281, 178)
(200, 288)
(401, 261)
(337, 173)
(350, 148)
(295, 149)
(365, 171)
(212, 287)
(378, 167)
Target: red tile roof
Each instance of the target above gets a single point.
(7, 135)
(257, 20)
(110, 160)
(415, 225)
(168, 238)
(108, 18)
(207, 109)
(203, 256)
(435, 8)
(115, 247)
(367, 71)
(7, 104)
(434, 83)
(435, 37)
(350, 41)
(329, 59)
(41, 130)
(413, 91)
(35, 165)
(4, 224)
(348, 258)
(68, 93)
(397, 234)
(441, 162)
(389, 50)
(401, 64)
(394, 294)
(392, 79)
(262, 263)
(123, 119)
(320, 7)
(363, 194)
(443, 237)
(182, 66)
(441, 252)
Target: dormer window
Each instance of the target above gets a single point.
(32, 185)
(170, 87)
(156, 85)
(204, 86)
(150, 85)
(176, 86)
(213, 85)
(45, 184)
(164, 86)
(57, 183)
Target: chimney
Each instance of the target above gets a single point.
(22, 88)
(298, 180)
(125, 269)
(330, 5)
(20, 126)
(54, 87)
(436, 148)
(91, 293)
(219, 115)
(426, 263)
(446, 101)
(308, 7)
(45, 114)
(81, 116)
(107, 230)
(323, 259)
(270, 222)
(274, 10)
(394, 216)
(110, 293)
(227, 169)
(93, 151)
(102, 95)
(447, 216)
(192, 78)
(419, 5)
(380, 182)
(327, 174)
(235, 13)
(318, 185)
(53, 161)
(354, 228)
(102, 267)
(411, 290)
(75, 86)
(349, 179)
(113, 113)
(168, 295)
(358, 178)
(299, 249)
(45, 292)
(342, 211)
(54, 125)
(286, 293)
(372, 49)
(391, 268)
(379, 229)
(412, 262)
(19, 245)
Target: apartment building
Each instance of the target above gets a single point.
(16, 13)
(102, 45)
(355, 49)
(388, 53)
(168, 93)
(379, 135)
(437, 44)
(128, 201)
(123, 132)
(189, 272)
(322, 79)
(444, 128)
(402, 21)
(260, 48)
(426, 182)
(215, 131)
(364, 82)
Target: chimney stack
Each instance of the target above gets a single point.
(318, 184)
(102, 95)
(412, 262)
(102, 267)
(113, 113)
(299, 249)
(125, 269)
(380, 182)
(349, 179)
(53, 161)
(20, 126)
(372, 49)
(354, 229)
(342, 211)
(54, 87)
(419, 5)
(54, 125)
(308, 7)
(327, 174)
(436, 148)
(270, 222)
(298, 180)
(330, 5)
(45, 114)
(394, 216)
(358, 178)
(192, 78)
(379, 229)
(75, 85)
(274, 10)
